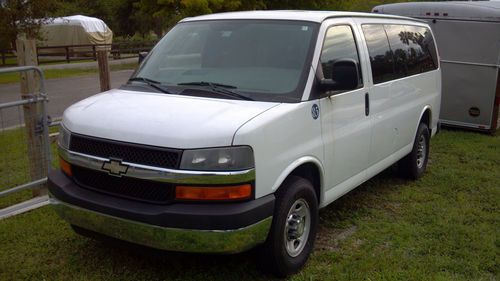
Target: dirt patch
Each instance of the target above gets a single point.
(329, 239)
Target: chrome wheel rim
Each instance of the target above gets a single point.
(297, 227)
(421, 151)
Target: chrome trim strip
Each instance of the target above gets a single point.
(161, 174)
(172, 239)
(465, 124)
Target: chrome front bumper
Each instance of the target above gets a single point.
(165, 238)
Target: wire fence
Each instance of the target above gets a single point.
(14, 162)
(25, 153)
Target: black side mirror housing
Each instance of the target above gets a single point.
(142, 56)
(344, 76)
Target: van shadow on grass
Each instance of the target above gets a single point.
(135, 262)
(127, 260)
(338, 220)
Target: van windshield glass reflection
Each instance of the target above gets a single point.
(263, 59)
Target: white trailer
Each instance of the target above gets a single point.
(468, 39)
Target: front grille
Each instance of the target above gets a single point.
(125, 187)
(127, 152)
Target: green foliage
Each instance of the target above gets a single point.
(367, 5)
(161, 15)
(22, 17)
(116, 13)
(304, 4)
(128, 17)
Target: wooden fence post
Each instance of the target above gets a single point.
(30, 83)
(104, 77)
(66, 49)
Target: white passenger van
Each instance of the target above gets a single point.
(238, 127)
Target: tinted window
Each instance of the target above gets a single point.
(422, 48)
(339, 44)
(411, 48)
(381, 58)
(399, 43)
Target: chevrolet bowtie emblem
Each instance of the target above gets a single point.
(115, 167)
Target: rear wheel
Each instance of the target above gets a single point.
(291, 238)
(414, 164)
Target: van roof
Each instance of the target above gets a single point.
(476, 10)
(313, 16)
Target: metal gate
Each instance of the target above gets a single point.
(25, 152)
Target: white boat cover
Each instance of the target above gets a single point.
(75, 30)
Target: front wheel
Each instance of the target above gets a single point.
(293, 231)
(414, 164)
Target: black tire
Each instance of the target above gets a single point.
(413, 165)
(299, 193)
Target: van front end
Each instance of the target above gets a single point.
(145, 198)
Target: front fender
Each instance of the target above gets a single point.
(294, 165)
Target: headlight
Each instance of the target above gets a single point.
(64, 137)
(218, 159)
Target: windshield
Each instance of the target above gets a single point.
(265, 60)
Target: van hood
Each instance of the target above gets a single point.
(161, 119)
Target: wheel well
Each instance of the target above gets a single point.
(310, 172)
(426, 118)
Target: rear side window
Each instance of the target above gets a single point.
(409, 49)
(399, 43)
(422, 48)
(381, 58)
(339, 44)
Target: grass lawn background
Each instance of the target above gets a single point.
(443, 227)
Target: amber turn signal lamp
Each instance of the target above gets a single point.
(236, 192)
(65, 167)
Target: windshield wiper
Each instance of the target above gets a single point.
(151, 83)
(218, 88)
(211, 84)
(144, 79)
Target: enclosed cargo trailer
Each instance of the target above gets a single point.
(468, 39)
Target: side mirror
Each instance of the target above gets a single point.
(142, 56)
(344, 76)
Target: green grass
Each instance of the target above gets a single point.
(63, 73)
(50, 61)
(442, 227)
(14, 164)
(9, 61)
(12, 61)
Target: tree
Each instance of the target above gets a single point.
(155, 15)
(367, 5)
(161, 15)
(22, 17)
(123, 22)
(105, 10)
(303, 4)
